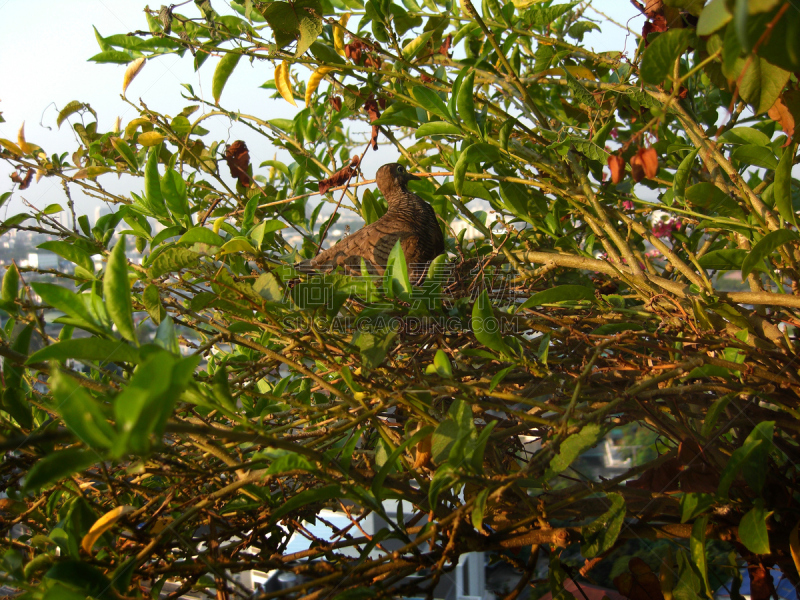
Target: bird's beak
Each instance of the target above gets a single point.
(412, 177)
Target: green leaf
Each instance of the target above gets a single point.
(225, 67)
(80, 575)
(142, 408)
(173, 190)
(782, 188)
(152, 185)
(377, 482)
(659, 58)
(712, 200)
(113, 56)
(201, 235)
(125, 152)
(682, 175)
(572, 447)
(64, 300)
(735, 464)
(284, 461)
(756, 467)
(479, 508)
(753, 529)
(580, 92)
(441, 366)
(117, 292)
(758, 156)
(94, 348)
(172, 259)
(396, 277)
(745, 135)
(766, 246)
(438, 128)
(729, 259)
(600, 535)
(465, 104)
(412, 48)
(762, 83)
(486, 325)
(443, 479)
(70, 109)
(714, 17)
(152, 304)
(323, 494)
(560, 293)
(58, 465)
(430, 101)
(310, 28)
(10, 287)
(697, 547)
(694, 504)
(71, 252)
(236, 245)
(81, 413)
(469, 189)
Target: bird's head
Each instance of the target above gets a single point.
(393, 176)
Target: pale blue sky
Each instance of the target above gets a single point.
(44, 47)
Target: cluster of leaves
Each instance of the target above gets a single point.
(128, 464)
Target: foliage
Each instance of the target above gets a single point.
(198, 409)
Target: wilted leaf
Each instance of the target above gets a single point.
(283, 83)
(616, 164)
(131, 72)
(238, 159)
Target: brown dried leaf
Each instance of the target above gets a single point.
(658, 24)
(663, 478)
(761, 584)
(445, 47)
(23, 182)
(780, 113)
(341, 176)
(238, 159)
(640, 583)
(336, 102)
(653, 8)
(616, 165)
(371, 106)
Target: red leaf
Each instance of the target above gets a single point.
(336, 103)
(445, 47)
(617, 166)
(658, 24)
(238, 159)
(780, 113)
(644, 164)
(761, 585)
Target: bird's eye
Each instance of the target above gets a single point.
(400, 169)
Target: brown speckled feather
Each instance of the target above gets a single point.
(409, 219)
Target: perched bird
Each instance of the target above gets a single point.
(409, 219)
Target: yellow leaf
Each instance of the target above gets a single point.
(283, 83)
(338, 34)
(23, 145)
(314, 80)
(131, 72)
(577, 71)
(102, 525)
(794, 546)
(117, 124)
(131, 127)
(238, 245)
(11, 147)
(150, 138)
(80, 174)
(92, 172)
(218, 223)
